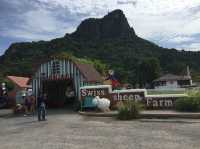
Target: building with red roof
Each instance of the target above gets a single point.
(21, 82)
(21, 86)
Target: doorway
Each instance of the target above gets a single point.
(60, 93)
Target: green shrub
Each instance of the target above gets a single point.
(188, 104)
(128, 110)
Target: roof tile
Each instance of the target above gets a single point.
(19, 81)
(89, 72)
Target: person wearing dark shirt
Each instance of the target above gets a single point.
(41, 107)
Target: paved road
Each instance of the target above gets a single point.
(67, 130)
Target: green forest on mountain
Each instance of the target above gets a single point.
(107, 46)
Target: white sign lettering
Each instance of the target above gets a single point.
(155, 103)
(85, 92)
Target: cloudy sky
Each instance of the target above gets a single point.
(169, 23)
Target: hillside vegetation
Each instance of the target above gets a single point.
(110, 40)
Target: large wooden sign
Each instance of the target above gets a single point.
(139, 95)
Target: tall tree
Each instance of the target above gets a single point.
(148, 70)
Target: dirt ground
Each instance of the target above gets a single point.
(68, 130)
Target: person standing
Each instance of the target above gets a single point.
(41, 107)
(27, 105)
(33, 102)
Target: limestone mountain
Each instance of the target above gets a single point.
(114, 25)
(109, 39)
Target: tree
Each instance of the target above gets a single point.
(148, 70)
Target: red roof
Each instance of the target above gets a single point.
(20, 81)
(89, 72)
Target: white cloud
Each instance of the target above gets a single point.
(39, 24)
(150, 18)
(162, 17)
(191, 47)
(180, 39)
(163, 21)
(126, 2)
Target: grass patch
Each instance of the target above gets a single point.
(128, 110)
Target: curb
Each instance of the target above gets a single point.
(5, 112)
(171, 115)
(94, 114)
(146, 115)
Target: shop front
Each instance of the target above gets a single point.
(61, 79)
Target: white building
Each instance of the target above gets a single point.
(170, 81)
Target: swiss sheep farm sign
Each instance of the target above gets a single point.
(166, 101)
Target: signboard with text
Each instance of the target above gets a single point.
(93, 92)
(124, 95)
(139, 95)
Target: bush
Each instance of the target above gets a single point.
(188, 104)
(128, 110)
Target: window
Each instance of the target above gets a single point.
(56, 67)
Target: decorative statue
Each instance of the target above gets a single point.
(102, 103)
(112, 78)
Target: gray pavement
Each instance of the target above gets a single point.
(5, 112)
(68, 130)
